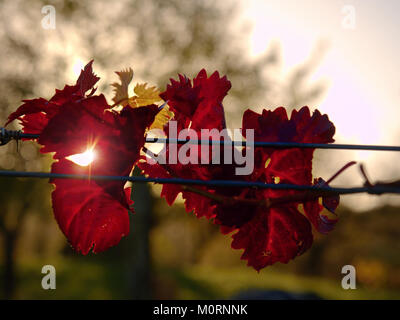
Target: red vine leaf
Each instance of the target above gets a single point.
(92, 214)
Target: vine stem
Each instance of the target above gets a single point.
(267, 202)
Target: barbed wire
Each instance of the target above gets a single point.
(210, 183)
(377, 189)
(8, 135)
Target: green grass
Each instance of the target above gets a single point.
(230, 281)
(75, 279)
(83, 278)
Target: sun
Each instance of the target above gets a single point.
(83, 159)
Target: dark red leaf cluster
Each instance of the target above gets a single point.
(91, 214)
(269, 225)
(267, 233)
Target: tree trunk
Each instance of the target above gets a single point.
(140, 286)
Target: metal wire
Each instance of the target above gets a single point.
(280, 145)
(209, 183)
(7, 135)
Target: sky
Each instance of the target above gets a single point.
(361, 66)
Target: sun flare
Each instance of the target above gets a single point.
(83, 159)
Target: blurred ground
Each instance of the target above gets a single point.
(88, 280)
(192, 260)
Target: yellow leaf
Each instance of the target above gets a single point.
(162, 118)
(144, 96)
(121, 96)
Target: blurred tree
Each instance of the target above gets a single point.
(158, 39)
(18, 198)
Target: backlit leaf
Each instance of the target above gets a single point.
(121, 95)
(144, 96)
(162, 118)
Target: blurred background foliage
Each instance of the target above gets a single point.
(169, 253)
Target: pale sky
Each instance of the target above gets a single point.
(361, 67)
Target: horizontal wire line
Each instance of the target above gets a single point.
(261, 144)
(221, 183)
(209, 183)
(282, 145)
